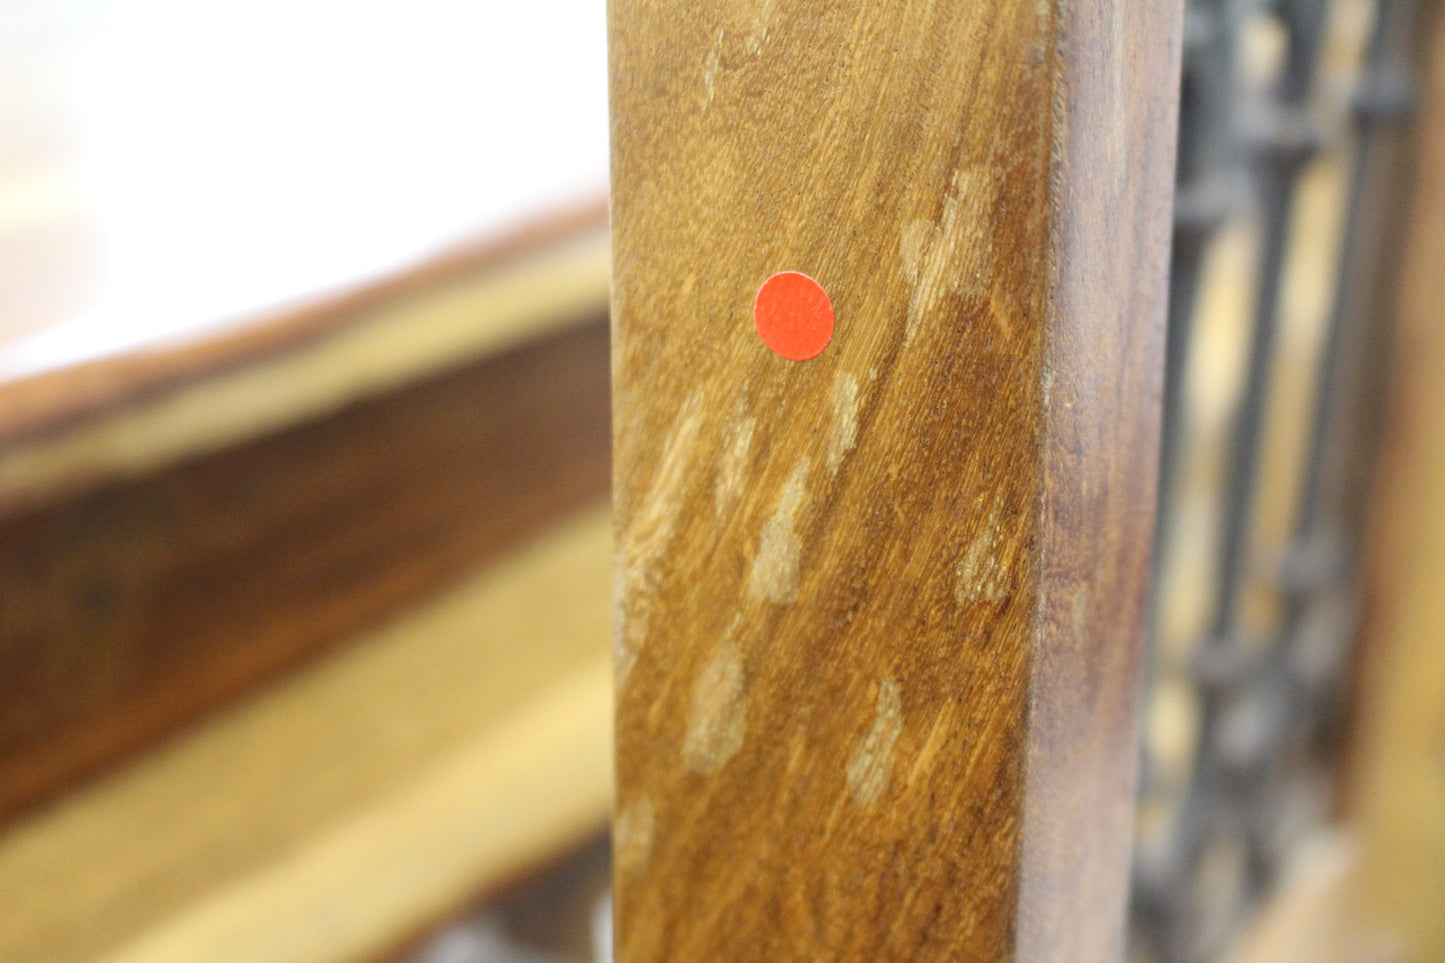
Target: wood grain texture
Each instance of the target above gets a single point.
(878, 615)
(1116, 111)
(130, 609)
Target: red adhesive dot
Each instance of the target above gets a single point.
(794, 316)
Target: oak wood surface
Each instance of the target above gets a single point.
(132, 608)
(345, 810)
(879, 612)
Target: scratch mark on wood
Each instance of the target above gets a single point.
(643, 544)
(734, 463)
(953, 255)
(845, 421)
(632, 834)
(717, 721)
(872, 760)
(709, 73)
(981, 574)
(759, 34)
(774, 577)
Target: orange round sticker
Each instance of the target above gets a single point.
(794, 316)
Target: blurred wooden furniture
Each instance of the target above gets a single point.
(1395, 798)
(241, 502)
(303, 466)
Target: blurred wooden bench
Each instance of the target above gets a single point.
(304, 572)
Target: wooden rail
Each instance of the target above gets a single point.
(137, 606)
(302, 637)
(879, 613)
(344, 811)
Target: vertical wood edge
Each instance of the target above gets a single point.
(1115, 116)
(862, 712)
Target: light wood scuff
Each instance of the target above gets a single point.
(872, 761)
(364, 798)
(719, 709)
(774, 575)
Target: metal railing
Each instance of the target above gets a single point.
(1252, 684)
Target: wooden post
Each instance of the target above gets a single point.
(879, 612)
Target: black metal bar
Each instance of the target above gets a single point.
(1263, 703)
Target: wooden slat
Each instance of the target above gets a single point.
(134, 607)
(341, 812)
(879, 615)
